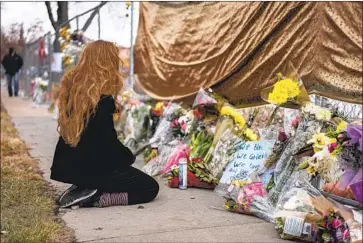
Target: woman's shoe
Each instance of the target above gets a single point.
(65, 193)
(76, 196)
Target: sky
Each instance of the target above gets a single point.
(115, 26)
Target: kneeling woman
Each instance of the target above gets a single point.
(89, 154)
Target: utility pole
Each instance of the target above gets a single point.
(99, 25)
(131, 78)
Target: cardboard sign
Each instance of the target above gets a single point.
(249, 158)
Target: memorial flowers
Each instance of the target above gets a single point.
(284, 90)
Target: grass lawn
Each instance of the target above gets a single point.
(28, 211)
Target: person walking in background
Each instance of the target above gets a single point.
(12, 64)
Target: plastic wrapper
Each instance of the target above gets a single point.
(244, 191)
(287, 162)
(223, 153)
(154, 166)
(224, 123)
(203, 98)
(250, 199)
(348, 186)
(302, 213)
(164, 133)
(181, 151)
(262, 118)
(138, 121)
(200, 143)
(289, 116)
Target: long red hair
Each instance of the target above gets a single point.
(97, 73)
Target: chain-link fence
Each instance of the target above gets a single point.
(347, 110)
(37, 58)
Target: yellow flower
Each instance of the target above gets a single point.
(237, 117)
(239, 183)
(277, 98)
(283, 90)
(159, 105)
(311, 171)
(319, 141)
(342, 126)
(250, 135)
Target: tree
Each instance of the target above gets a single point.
(63, 19)
(15, 36)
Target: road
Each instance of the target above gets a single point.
(192, 215)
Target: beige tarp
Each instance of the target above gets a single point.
(238, 47)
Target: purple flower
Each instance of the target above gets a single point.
(354, 132)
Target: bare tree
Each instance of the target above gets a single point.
(63, 19)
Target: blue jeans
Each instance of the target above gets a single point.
(13, 80)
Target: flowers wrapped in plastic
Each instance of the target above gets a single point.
(249, 197)
(181, 151)
(163, 133)
(183, 126)
(158, 163)
(223, 153)
(137, 126)
(200, 143)
(349, 157)
(240, 182)
(289, 159)
(203, 98)
(231, 119)
(303, 213)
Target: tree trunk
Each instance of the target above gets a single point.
(62, 13)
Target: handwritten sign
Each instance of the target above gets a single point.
(249, 158)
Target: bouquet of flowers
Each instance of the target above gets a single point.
(200, 143)
(288, 91)
(203, 98)
(182, 126)
(249, 197)
(223, 153)
(230, 118)
(304, 214)
(348, 152)
(181, 151)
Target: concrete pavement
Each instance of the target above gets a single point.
(192, 215)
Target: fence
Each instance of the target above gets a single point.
(35, 66)
(349, 111)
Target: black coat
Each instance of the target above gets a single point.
(98, 154)
(12, 64)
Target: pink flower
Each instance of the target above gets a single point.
(346, 235)
(295, 122)
(174, 123)
(336, 223)
(332, 147)
(183, 126)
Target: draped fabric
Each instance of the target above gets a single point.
(238, 47)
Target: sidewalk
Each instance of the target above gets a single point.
(174, 216)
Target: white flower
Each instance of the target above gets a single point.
(308, 108)
(322, 114)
